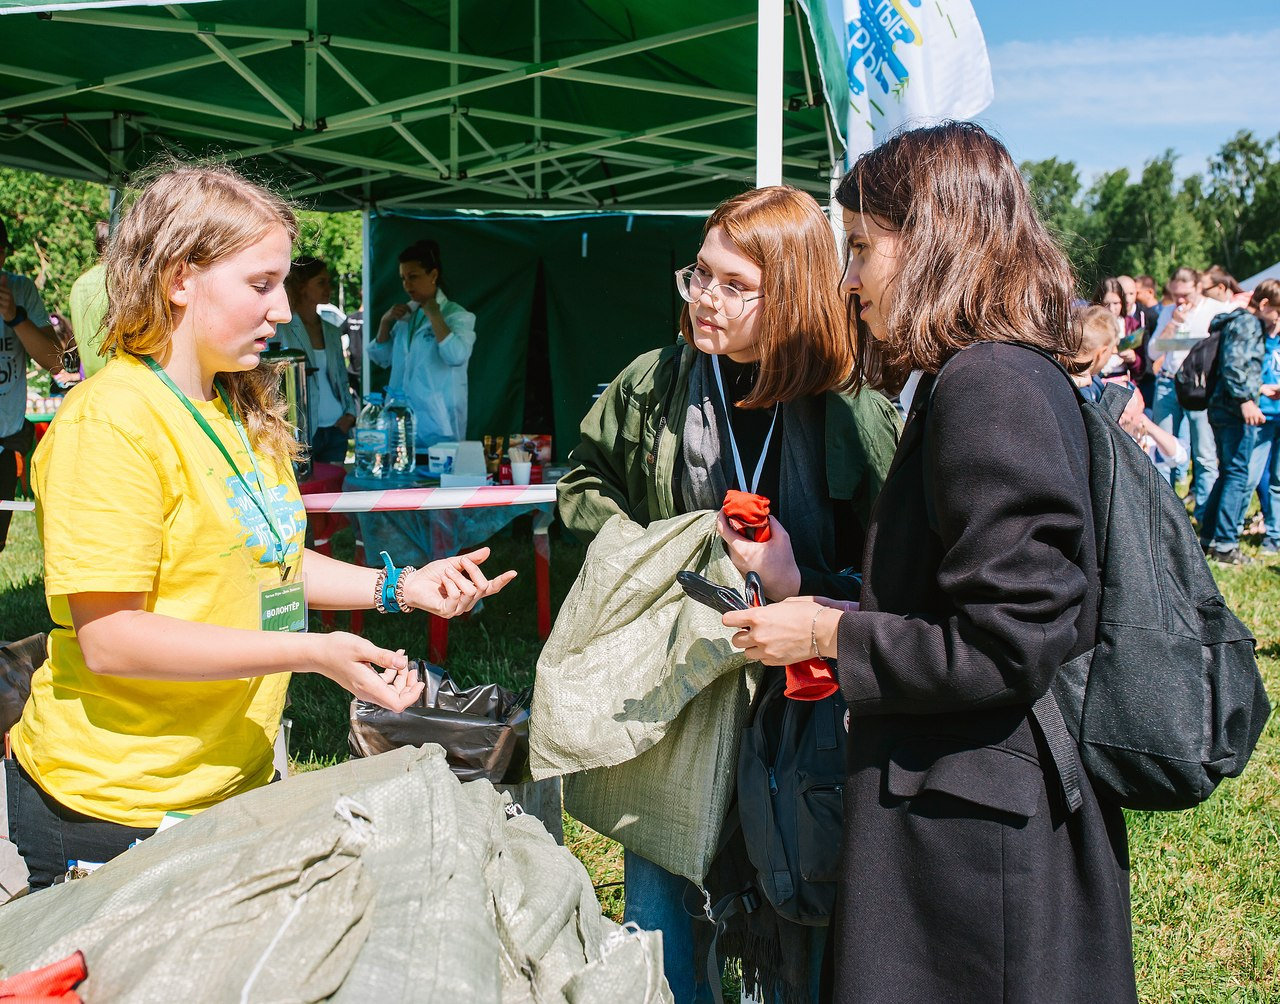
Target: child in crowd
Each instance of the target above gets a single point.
(1165, 450)
(1099, 332)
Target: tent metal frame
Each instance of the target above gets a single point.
(548, 169)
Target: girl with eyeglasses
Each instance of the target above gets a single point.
(760, 395)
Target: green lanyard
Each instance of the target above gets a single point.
(255, 494)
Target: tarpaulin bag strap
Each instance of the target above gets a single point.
(1198, 374)
(1169, 701)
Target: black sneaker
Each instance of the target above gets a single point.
(1232, 556)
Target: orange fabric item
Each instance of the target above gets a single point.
(53, 984)
(810, 680)
(748, 514)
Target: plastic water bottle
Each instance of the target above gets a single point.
(373, 444)
(402, 428)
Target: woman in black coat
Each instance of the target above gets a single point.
(965, 877)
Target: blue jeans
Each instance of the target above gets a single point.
(655, 901)
(1198, 436)
(1264, 476)
(1224, 511)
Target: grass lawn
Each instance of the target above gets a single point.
(1206, 883)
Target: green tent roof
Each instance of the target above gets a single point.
(417, 104)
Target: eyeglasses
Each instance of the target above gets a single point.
(692, 282)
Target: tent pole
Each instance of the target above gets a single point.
(453, 82)
(366, 297)
(769, 28)
(537, 94)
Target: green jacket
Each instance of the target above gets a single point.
(632, 437)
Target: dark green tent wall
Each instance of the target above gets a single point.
(609, 296)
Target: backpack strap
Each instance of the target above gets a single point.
(745, 901)
(1062, 747)
(1114, 400)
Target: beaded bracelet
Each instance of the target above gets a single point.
(401, 602)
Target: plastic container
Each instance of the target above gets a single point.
(401, 426)
(440, 458)
(373, 443)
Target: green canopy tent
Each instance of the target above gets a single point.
(406, 108)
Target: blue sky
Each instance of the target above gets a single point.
(1112, 84)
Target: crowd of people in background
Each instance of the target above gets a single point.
(1132, 336)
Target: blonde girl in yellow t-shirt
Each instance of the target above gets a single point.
(175, 565)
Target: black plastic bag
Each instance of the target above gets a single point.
(484, 729)
(18, 661)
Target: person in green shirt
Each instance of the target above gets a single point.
(89, 305)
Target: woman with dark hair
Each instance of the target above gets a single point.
(1128, 361)
(427, 342)
(965, 875)
(760, 395)
(330, 401)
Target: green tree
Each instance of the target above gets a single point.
(1224, 204)
(335, 237)
(1055, 188)
(50, 223)
(1144, 226)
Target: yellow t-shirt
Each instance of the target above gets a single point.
(133, 497)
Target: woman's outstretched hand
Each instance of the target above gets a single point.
(772, 560)
(371, 673)
(452, 586)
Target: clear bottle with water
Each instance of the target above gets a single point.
(402, 430)
(373, 442)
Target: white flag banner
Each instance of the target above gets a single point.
(889, 62)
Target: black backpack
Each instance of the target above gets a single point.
(791, 773)
(1198, 375)
(1169, 701)
(789, 815)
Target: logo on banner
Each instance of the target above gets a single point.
(879, 26)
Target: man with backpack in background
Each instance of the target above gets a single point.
(1236, 417)
(1178, 327)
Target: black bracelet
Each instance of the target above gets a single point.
(19, 316)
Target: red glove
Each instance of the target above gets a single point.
(748, 515)
(51, 985)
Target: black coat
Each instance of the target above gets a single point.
(963, 877)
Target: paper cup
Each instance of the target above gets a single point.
(520, 472)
